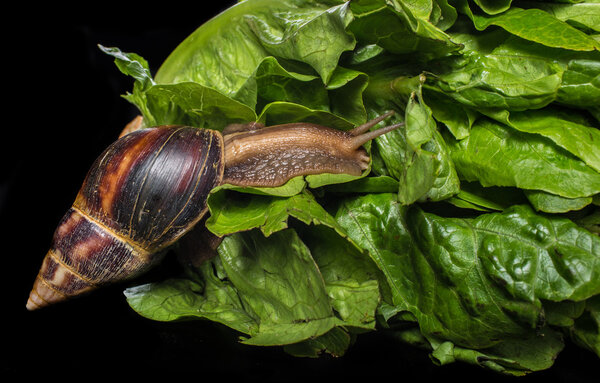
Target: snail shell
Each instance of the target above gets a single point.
(144, 192)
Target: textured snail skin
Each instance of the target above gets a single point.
(270, 156)
(288, 151)
(150, 187)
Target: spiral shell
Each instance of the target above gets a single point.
(143, 193)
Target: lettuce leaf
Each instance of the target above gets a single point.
(533, 24)
(496, 155)
(473, 233)
(459, 276)
(310, 32)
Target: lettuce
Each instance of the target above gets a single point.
(474, 233)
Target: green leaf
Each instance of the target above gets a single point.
(276, 290)
(443, 14)
(535, 25)
(474, 281)
(464, 203)
(334, 342)
(501, 43)
(551, 203)
(312, 34)
(446, 301)
(272, 82)
(212, 298)
(137, 67)
(419, 8)
(514, 357)
(591, 221)
(586, 330)
(295, 84)
(399, 28)
(279, 282)
(517, 357)
(281, 112)
(563, 314)
(580, 15)
(493, 81)
(472, 195)
(564, 128)
(232, 212)
(278, 88)
(194, 105)
(414, 171)
(131, 64)
(457, 120)
(346, 87)
(580, 84)
(496, 155)
(351, 278)
(223, 57)
(417, 156)
(292, 187)
(420, 125)
(493, 7)
(186, 103)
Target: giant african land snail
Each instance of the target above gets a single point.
(150, 187)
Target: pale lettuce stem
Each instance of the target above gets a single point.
(393, 89)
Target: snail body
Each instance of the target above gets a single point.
(150, 187)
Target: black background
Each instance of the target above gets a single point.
(64, 107)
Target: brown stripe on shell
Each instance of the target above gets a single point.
(63, 279)
(55, 283)
(172, 197)
(159, 180)
(94, 252)
(83, 256)
(109, 175)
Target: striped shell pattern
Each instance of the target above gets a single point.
(141, 194)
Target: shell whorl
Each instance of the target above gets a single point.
(131, 206)
(84, 254)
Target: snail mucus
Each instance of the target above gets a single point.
(150, 186)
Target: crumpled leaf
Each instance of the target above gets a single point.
(505, 82)
(276, 290)
(474, 281)
(582, 14)
(290, 29)
(497, 155)
(417, 156)
(515, 357)
(564, 127)
(398, 27)
(269, 214)
(586, 329)
(535, 25)
(211, 297)
(280, 284)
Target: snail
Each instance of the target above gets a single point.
(150, 186)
